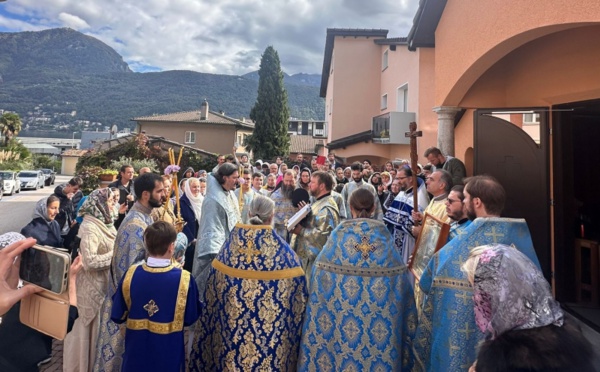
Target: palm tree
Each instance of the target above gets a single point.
(10, 125)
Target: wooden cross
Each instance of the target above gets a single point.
(413, 134)
(151, 308)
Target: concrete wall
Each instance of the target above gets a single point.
(68, 165)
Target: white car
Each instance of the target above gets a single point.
(11, 183)
(31, 179)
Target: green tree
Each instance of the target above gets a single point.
(10, 125)
(270, 112)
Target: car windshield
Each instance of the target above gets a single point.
(28, 174)
(6, 175)
(47, 171)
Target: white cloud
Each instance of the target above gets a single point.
(215, 36)
(72, 21)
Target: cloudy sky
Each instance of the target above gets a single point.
(213, 36)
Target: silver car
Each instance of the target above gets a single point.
(31, 179)
(11, 183)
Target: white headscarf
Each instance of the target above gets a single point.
(195, 201)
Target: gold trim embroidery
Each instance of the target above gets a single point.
(360, 271)
(254, 227)
(259, 275)
(165, 328)
(157, 269)
(127, 285)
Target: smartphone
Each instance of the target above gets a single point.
(45, 267)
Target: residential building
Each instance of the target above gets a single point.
(202, 129)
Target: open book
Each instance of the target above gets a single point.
(298, 217)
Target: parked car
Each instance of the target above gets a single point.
(50, 176)
(11, 183)
(32, 179)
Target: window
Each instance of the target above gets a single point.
(384, 60)
(402, 98)
(531, 118)
(190, 137)
(384, 102)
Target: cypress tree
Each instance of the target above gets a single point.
(270, 113)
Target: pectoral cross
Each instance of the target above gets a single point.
(414, 156)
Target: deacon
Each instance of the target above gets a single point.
(129, 250)
(323, 219)
(447, 335)
(220, 213)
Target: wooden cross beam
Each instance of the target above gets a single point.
(413, 135)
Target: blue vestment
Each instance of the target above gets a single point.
(447, 335)
(255, 299)
(361, 313)
(284, 210)
(457, 229)
(129, 250)
(155, 303)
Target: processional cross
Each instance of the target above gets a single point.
(413, 134)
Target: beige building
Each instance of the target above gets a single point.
(512, 88)
(202, 129)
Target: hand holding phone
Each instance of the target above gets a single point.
(45, 267)
(9, 275)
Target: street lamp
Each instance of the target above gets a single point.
(73, 141)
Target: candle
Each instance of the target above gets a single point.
(180, 153)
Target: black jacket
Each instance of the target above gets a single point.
(45, 233)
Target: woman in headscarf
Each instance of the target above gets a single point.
(189, 173)
(303, 179)
(44, 227)
(360, 299)
(97, 234)
(525, 327)
(191, 210)
(255, 297)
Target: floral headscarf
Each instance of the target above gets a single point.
(96, 205)
(511, 293)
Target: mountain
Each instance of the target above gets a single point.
(311, 80)
(58, 76)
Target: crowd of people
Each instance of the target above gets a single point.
(334, 292)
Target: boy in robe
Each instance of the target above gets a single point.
(156, 300)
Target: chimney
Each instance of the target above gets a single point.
(204, 110)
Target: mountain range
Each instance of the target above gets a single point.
(65, 75)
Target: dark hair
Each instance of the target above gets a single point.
(256, 175)
(51, 199)
(76, 181)
(362, 201)
(246, 171)
(446, 178)
(459, 189)
(146, 182)
(433, 151)
(427, 167)
(158, 237)
(225, 170)
(368, 161)
(324, 178)
(356, 166)
(489, 191)
(124, 168)
(406, 169)
(229, 157)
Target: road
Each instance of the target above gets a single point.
(16, 210)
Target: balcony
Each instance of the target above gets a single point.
(390, 128)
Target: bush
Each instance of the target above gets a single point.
(89, 175)
(136, 164)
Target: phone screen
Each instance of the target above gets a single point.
(44, 269)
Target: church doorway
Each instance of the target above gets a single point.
(576, 143)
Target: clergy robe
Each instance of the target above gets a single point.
(457, 229)
(129, 250)
(284, 210)
(447, 335)
(324, 217)
(246, 200)
(361, 313)
(350, 187)
(400, 222)
(437, 207)
(255, 300)
(155, 303)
